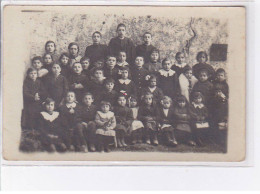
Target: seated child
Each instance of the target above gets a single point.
(199, 118)
(147, 114)
(146, 48)
(53, 128)
(202, 59)
(64, 62)
(180, 63)
(153, 65)
(124, 84)
(106, 123)
(96, 51)
(183, 131)
(187, 81)
(124, 118)
(78, 81)
(37, 64)
(56, 85)
(165, 121)
(108, 94)
(33, 95)
(74, 53)
(168, 79)
(47, 61)
(86, 122)
(70, 111)
(152, 87)
(110, 71)
(50, 48)
(121, 60)
(85, 62)
(137, 126)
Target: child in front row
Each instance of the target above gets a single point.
(124, 117)
(106, 123)
(147, 114)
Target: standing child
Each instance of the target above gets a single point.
(122, 43)
(137, 126)
(178, 67)
(64, 62)
(183, 131)
(153, 65)
(50, 48)
(33, 96)
(74, 53)
(147, 114)
(124, 84)
(86, 123)
(78, 81)
(121, 60)
(96, 51)
(56, 85)
(202, 58)
(106, 123)
(53, 128)
(199, 118)
(124, 118)
(168, 80)
(187, 81)
(85, 62)
(109, 94)
(165, 121)
(37, 64)
(110, 69)
(146, 48)
(47, 61)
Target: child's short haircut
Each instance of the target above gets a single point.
(102, 103)
(55, 64)
(200, 54)
(220, 70)
(37, 58)
(178, 54)
(152, 77)
(139, 56)
(121, 94)
(197, 95)
(187, 68)
(46, 55)
(204, 70)
(147, 94)
(147, 33)
(125, 68)
(88, 94)
(166, 59)
(84, 59)
(97, 69)
(167, 98)
(64, 54)
(97, 32)
(109, 56)
(121, 51)
(109, 80)
(181, 98)
(48, 42)
(48, 101)
(31, 69)
(72, 44)
(70, 91)
(120, 25)
(76, 63)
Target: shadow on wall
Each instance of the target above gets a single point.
(170, 36)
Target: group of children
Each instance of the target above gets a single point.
(122, 94)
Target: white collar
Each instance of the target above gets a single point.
(122, 64)
(152, 89)
(72, 105)
(165, 111)
(198, 105)
(49, 117)
(166, 73)
(180, 65)
(122, 81)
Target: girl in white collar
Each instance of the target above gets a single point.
(180, 63)
(52, 128)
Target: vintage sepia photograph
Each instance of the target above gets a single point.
(124, 83)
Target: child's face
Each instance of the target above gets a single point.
(122, 57)
(65, 60)
(48, 59)
(88, 100)
(153, 82)
(124, 74)
(180, 58)
(167, 65)
(56, 69)
(96, 38)
(105, 108)
(181, 104)
(198, 100)
(148, 100)
(85, 64)
(121, 32)
(77, 68)
(109, 86)
(133, 103)
(203, 76)
(37, 64)
(98, 74)
(74, 50)
(147, 39)
(166, 104)
(221, 77)
(111, 62)
(121, 101)
(154, 57)
(202, 59)
(139, 62)
(50, 107)
(188, 74)
(33, 75)
(70, 97)
(50, 47)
